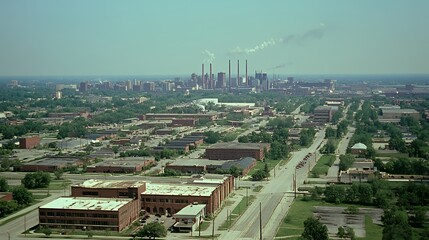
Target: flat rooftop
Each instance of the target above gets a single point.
(196, 162)
(178, 190)
(54, 161)
(404, 110)
(123, 163)
(84, 203)
(190, 210)
(95, 183)
(236, 145)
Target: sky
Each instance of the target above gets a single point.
(160, 37)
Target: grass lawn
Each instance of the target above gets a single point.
(58, 184)
(238, 210)
(293, 222)
(322, 166)
(373, 231)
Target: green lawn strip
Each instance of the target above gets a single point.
(322, 166)
(258, 188)
(237, 211)
(373, 231)
(20, 215)
(299, 212)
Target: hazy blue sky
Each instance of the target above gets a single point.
(88, 37)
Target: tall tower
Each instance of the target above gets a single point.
(247, 80)
(229, 75)
(211, 79)
(238, 72)
(202, 76)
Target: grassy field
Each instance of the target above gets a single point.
(373, 231)
(293, 223)
(322, 166)
(237, 211)
(391, 155)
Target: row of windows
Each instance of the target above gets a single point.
(62, 221)
(166, 200)
(71, 214)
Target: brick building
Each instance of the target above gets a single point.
(123, 165)
(234, 150)
(95, 205)
(324, 114)
(190, 122)
(50, 164)
(210, 190)
(112, 214)
(29, 142)
(395, 115)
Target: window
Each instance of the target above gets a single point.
(89, 193)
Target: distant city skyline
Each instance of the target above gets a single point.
(67, 38)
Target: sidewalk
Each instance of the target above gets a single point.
(222, 215)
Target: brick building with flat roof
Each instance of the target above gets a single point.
(127, 165)
(29, 142)
(170, 198)
(88, 213)
(234, 150)
(50, 164)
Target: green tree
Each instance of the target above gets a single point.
(346, 162)
(7, 207)
(418, 217)
(47, 231)
(36, 180)
(396, 225)
(4, 187)
(314, 230)
(58, 173)
(335, 194)
(259, 175)
(152, 230)
(22, 196)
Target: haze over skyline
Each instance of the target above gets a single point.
(51, 37)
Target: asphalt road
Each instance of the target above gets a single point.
(276, 191)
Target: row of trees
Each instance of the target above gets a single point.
(21, 198)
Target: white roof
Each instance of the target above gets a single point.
(95, 183)
(86, 203)
(359, 146)
(190, 210)
(178, 190)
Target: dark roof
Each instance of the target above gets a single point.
(242, 163)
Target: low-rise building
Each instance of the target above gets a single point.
(29, 142)
(359, 148)
(50, 164)
(234, 150)
(122, 165)
(189, 218)
(6, 196)
(395, 115)
(88, 213)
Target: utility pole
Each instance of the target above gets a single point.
(199, 228)
(213, 228)
(247, 197)
(260, 221)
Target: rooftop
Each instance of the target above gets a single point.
(236, 145)
(95, 183)
(196, 162)
(178, 190)
(404, 110)
(359, 146)
(83, 203)
(190, 210)
(54, 161)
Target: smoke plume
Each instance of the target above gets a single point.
(312, 34)
(209, 57)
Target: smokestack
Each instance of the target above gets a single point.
(238, 72)
(229, 74)
(202, 75)
(211, 79)
(247, 80)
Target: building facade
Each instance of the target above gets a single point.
(231, 151)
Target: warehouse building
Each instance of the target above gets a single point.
(234, 150)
